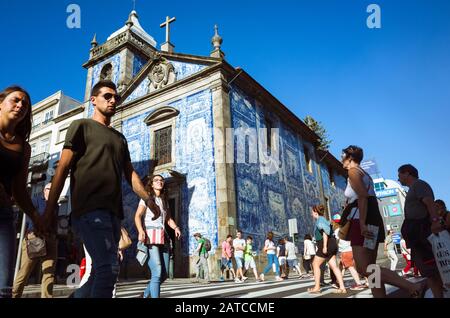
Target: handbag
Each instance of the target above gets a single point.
(125, 240)
(155, 235)
(344, 223)
(142, 253)
(35, 246)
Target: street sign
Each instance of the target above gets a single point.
(396, 237)
(292, 227)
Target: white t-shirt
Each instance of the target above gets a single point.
(269, 244)
(290, 250)
(351, 195)
(343, 246)
(159, 222)
(238, 242)
(309, 249)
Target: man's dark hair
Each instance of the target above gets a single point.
(229, 235)
(410, 169)
(249, 238)
(441, 203)
(354, 152)
(104, 83)
(238, 231)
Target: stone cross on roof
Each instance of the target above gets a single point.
(167, 25)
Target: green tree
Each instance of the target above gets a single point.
(318, 128)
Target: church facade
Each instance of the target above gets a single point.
(233, 156)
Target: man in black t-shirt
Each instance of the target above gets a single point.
(97, 156)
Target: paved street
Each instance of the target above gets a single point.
(184, 288)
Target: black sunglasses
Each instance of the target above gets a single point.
(108, 96)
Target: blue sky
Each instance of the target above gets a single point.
(387, 90)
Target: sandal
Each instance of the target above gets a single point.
(314, 291)
(340, 291)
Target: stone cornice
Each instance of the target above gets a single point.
(125, 39)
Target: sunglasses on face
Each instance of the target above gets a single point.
(108, 97)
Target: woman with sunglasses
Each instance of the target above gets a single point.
(364, 216)
(156, 214)
(15, 152)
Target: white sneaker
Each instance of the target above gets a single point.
(237, 280)
(279, 279)
(244, 278)
(261, 277)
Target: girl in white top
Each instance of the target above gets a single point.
(270, 249)
(157, 216)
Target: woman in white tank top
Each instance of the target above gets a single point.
(157, 216)
(360, 187)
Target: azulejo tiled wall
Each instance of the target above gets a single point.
(265, 202)
(194, 158)
(138, 63)
(335, 192)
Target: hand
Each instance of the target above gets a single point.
(177, 232)
(46, 222)
(365, 232)
(141, 236)
(325, 251)
(120, 254)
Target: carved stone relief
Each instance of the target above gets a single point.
(161, 74)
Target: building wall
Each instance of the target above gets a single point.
(194, 157)
(266, 202)
(334, 192)
(138, 63)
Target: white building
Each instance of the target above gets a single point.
(51, 119)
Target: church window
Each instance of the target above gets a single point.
(163, 146)
(269, 126)
(307, 159)
(162, 125)
(331, 174)
(106, 73)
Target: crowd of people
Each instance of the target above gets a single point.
(97, 156)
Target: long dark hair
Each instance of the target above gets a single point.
(23, 129)
(151, 202)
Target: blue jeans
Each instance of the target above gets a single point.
(156, 253)
(100, 232)
(7, 251)
(272, 259)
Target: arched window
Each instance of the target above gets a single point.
(162, 133)
(106, 73)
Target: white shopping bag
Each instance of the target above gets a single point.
(441, 250)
